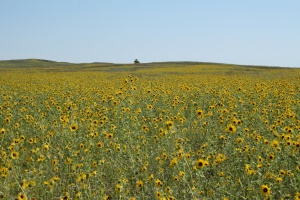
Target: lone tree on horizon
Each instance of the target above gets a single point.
(136, 61)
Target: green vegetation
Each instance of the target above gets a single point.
(176, 130)
(38, 65)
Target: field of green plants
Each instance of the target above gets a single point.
(183, 131)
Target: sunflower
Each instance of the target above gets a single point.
(118, 188)
(22, 137)
(2, 131)
(118, 92)
(171, 198)
(201, 163)
(149, 106)
(150, 177)
(144, 127)
(239, 140)
(199, 113)
(181, 174)
(139, 184)
(25, 184)
(7, 120)
(222, 137)
(144, 168)
(266, 141)
(297, 196)
(54, 162)
(221, 174)
(67, 196)
(14, 155)
(248, 170)
(265, 190)
(231, 129)
(271, 156)
(73, 127)
(99, 145)
(246, 130)
(181, 120)
(55, 178)
(221, 157)
(274, 143)
(102, 122)
(46, 146)
(157, 194)
(282, 172)
(173, 162)
(187, 155)
(158, 183)
(22, 197)
(169, 125)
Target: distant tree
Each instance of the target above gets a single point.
(136, 61)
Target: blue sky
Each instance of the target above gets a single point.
(253, 32)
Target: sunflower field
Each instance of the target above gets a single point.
(190, 132)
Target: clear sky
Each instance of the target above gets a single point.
(251, 32)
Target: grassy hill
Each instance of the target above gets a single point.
(40, 65)
(27, 63)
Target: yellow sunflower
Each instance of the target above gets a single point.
(139, 184)
(22, 197)
(265, 190)
(231, 129)
(201, 163)
(199, 113)
(73, 127)
(158, 183)
(14, 155)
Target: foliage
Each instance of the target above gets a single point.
(202, 133)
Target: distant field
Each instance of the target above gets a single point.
(176, 130)
(36, 65)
